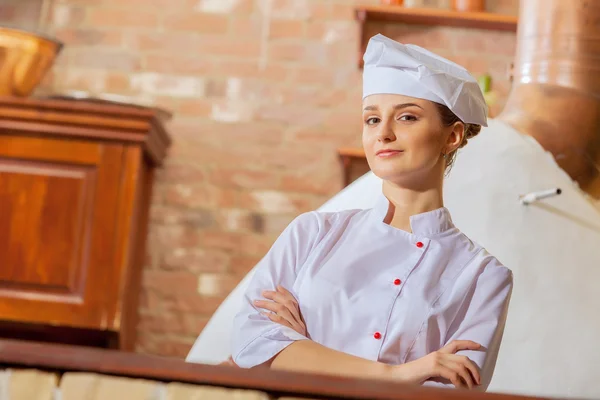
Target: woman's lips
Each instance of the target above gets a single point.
(388, 153)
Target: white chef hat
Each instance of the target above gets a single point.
(394, 68)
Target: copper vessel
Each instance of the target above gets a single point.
(25, 57)
(556, 84)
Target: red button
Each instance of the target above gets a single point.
(419, 244)
(397, 282)
(377, 335)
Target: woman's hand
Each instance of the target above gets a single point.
(444, 363)
(284, 309)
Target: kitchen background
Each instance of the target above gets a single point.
(263, 93)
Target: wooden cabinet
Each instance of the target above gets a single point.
(75, 186)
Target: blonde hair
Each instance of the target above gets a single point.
(448, 119)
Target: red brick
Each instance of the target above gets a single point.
(190, 196)
(242, 7)
(192, 302)
(242, 139)
(237, 220)
(172, 43)
(242, 264)
(292, 114)
(198, 23)
(245, 26)
(288, 51)
(177, 64)
(326, 138)
(194, 260)
(167, 282)
(319, 10)
(169, 347)
(226, 198)
(117, 82)
(273, 225)
(192, 219)
(65, 15)
(194, 324)
(314, 183)
(252, 69)
(181, 173)
(146, 343)
(160, 5)
(143, 302)
(96, 81)
(173, 236)
(89, 37)
(284, 29)
(121, 17)
(168, 323)
(342, 11)
(120, 60)
(312, 75)
(195, 108)
(234, 47)
(228, 241)
(216, 87)
(244, 178)
(153, 301)
(273, 202)
(255, 245)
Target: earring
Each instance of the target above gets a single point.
(444, 155)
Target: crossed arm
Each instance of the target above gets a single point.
(308, 356)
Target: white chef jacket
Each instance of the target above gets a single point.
(378, 292)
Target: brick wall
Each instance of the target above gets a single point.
(264, 91)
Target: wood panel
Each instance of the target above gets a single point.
(42, 241)
(57, 221)
(75, 185)
(277, 383)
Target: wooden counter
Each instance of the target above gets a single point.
(64, 358)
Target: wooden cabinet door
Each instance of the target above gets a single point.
(58, 206)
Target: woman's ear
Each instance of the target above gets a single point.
(455, 138)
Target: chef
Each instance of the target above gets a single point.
(397, 291)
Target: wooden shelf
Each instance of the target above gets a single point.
(354, 163)
(351, 152)
(430, 16)
(439, 17)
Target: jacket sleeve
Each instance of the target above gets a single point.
(482, 318)
(256, 339)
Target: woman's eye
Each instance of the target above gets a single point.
(408, 118)
(373, 121)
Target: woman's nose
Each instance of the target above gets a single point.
(386, 132)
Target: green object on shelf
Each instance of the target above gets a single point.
(485, 83)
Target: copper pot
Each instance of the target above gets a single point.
(468, 5)
(25, 58)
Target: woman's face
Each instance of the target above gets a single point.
(404, 138)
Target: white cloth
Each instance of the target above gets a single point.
(394, 68)
(377, 292)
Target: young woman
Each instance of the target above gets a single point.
(395, 292)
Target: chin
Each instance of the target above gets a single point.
(393, 174)
(404, 175)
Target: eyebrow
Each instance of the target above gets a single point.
(396, 107)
